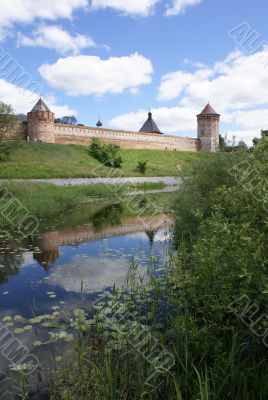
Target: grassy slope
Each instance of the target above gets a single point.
(43, 160)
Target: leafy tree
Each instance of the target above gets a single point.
(8, 122)
(256, 141)
(242, 145)
(8, 130)
(193, 200)
(67, 120)
(107, 154)
(222, 143)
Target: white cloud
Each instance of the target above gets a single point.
(27, 11)
(132, 7)
(91, 75)
(247, 135)
(234, 86)
(23, 100)
(169, 120)
(179, 6)
(252, 119)
(234, 83)
(173, 84)
(56, 38)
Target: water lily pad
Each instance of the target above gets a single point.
(18, 331)
(28, 328)
(37, 343)
(6, 318)
(17, 318)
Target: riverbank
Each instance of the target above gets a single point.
(48, 161)
(45, 201)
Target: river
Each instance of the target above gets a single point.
(44, 279)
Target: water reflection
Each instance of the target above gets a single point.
(109, 215)
(42, 275)
(52, 248)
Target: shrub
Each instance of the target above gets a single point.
(107, 154)
(193, 200)
(142, 166)
(5, 150)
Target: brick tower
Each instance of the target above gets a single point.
(208, 129)
(41, 123)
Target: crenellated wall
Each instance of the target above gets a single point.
(41, 126)
(70, 134)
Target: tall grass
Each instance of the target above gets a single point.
(47, 201)
(206, 367)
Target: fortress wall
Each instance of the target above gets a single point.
(68, 134)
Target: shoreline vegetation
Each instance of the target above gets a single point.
(47, 201)
(28, 160)
(203, 310)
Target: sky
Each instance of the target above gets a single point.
(120, 58)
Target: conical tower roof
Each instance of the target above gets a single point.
(208, 110)
(150, 125)
(41, 106)
(99, 123)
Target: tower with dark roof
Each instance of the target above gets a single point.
(208, 122)
(150, 126)
(41, 123)
(99, 123)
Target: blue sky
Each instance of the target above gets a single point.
(118, 58)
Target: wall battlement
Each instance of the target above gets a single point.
(41, 126)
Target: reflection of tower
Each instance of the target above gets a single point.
(151, 236)
(11, 263)
(46, 258)
(208, 129)
(41, 123)
(49, 250)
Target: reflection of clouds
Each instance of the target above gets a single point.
(27, 259)
(96, 274)
(162, 235)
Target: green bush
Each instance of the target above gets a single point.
(107, 154)
(193, 201)
(142, 166)
(5, 149)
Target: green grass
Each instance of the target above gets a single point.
(44, 160)
(46, 201)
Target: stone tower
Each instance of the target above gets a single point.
(41, 123)
(208, 129)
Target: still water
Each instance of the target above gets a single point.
(46, 278)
